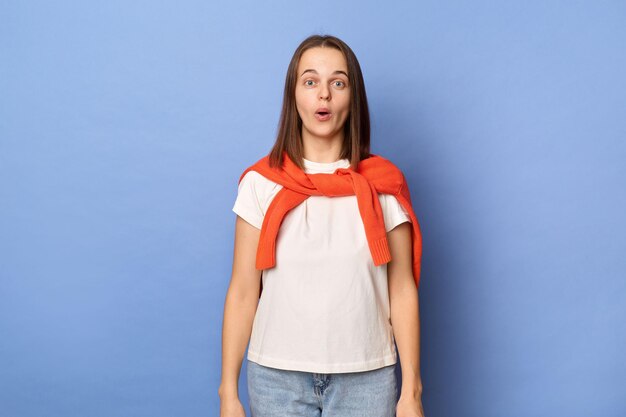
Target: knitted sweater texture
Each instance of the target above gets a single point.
(374, 175)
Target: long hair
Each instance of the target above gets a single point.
(356, 144)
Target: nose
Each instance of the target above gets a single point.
(324, 92)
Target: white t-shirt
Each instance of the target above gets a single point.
(325, 306)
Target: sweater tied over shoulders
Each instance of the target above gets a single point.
(374, 175)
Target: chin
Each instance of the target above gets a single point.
(323, 133)
(315, 130)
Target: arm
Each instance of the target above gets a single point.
(239, 308)
(404, 305)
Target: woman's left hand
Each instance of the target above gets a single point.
(409, 407)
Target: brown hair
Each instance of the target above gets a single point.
(356, 144)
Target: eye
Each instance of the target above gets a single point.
(305, 83)
(342, 84)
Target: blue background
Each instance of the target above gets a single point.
(124, 127)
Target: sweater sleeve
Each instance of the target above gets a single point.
(254, 194)
(393, 212)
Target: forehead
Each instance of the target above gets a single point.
(323, 60)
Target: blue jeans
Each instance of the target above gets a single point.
(285, 393)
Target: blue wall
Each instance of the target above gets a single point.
(124, 127)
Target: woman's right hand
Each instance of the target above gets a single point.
(231, 407)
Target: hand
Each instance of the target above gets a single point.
(409, 407)
(231, 407)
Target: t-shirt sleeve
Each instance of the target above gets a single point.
(393, 212)
(254, 194)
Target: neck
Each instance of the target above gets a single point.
(322, 149)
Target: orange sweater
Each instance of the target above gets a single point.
(373, 176)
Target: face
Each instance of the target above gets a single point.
(322, 82)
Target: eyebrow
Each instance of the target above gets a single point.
(312, 70)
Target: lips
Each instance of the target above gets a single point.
(323, 114)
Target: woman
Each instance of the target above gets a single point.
(327, 256)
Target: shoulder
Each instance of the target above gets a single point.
(255, 179)
(254, 195)
(253, 185)
(393, 212)
(386, 176)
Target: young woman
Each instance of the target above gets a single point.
(326, 262)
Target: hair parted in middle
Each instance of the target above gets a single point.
(356, 144)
